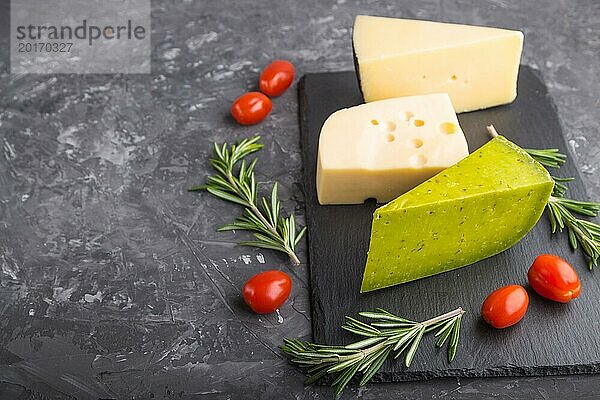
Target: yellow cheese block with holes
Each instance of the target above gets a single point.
(477, 66)
(385, 148)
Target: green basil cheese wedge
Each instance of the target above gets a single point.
(479, 207)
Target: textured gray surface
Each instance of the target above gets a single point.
(114, 283)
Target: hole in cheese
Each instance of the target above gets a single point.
(448, 128)
(389, 137)
(374, 122)
(416, 143)
(453, 77)
(419, 122)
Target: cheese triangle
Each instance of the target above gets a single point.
(385, 148)
(477, 66)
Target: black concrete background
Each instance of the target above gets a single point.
(114, 283)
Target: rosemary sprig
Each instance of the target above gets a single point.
(261, 218)
(385, 334)
(560, 208)
(580, 232)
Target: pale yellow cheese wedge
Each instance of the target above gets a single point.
(477, 66)
(383, 149)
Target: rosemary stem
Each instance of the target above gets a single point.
(365, 352)
(273, 230)
(257, 212)
(448, 315)
(294, 257)
(554, 200)
(377, 347)
(492, 131)
(253, 208)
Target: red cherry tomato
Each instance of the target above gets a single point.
(251, 108)
(505, 306)
(267, 291)
(276, 78)
(554, 278)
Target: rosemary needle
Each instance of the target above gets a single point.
(386, 334)
(261, 218)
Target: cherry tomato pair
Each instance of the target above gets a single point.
(550, 276)
(251, 108)
(267, 291)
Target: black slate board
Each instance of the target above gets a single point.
(553, 338)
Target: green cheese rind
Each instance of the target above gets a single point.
(479, 207)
